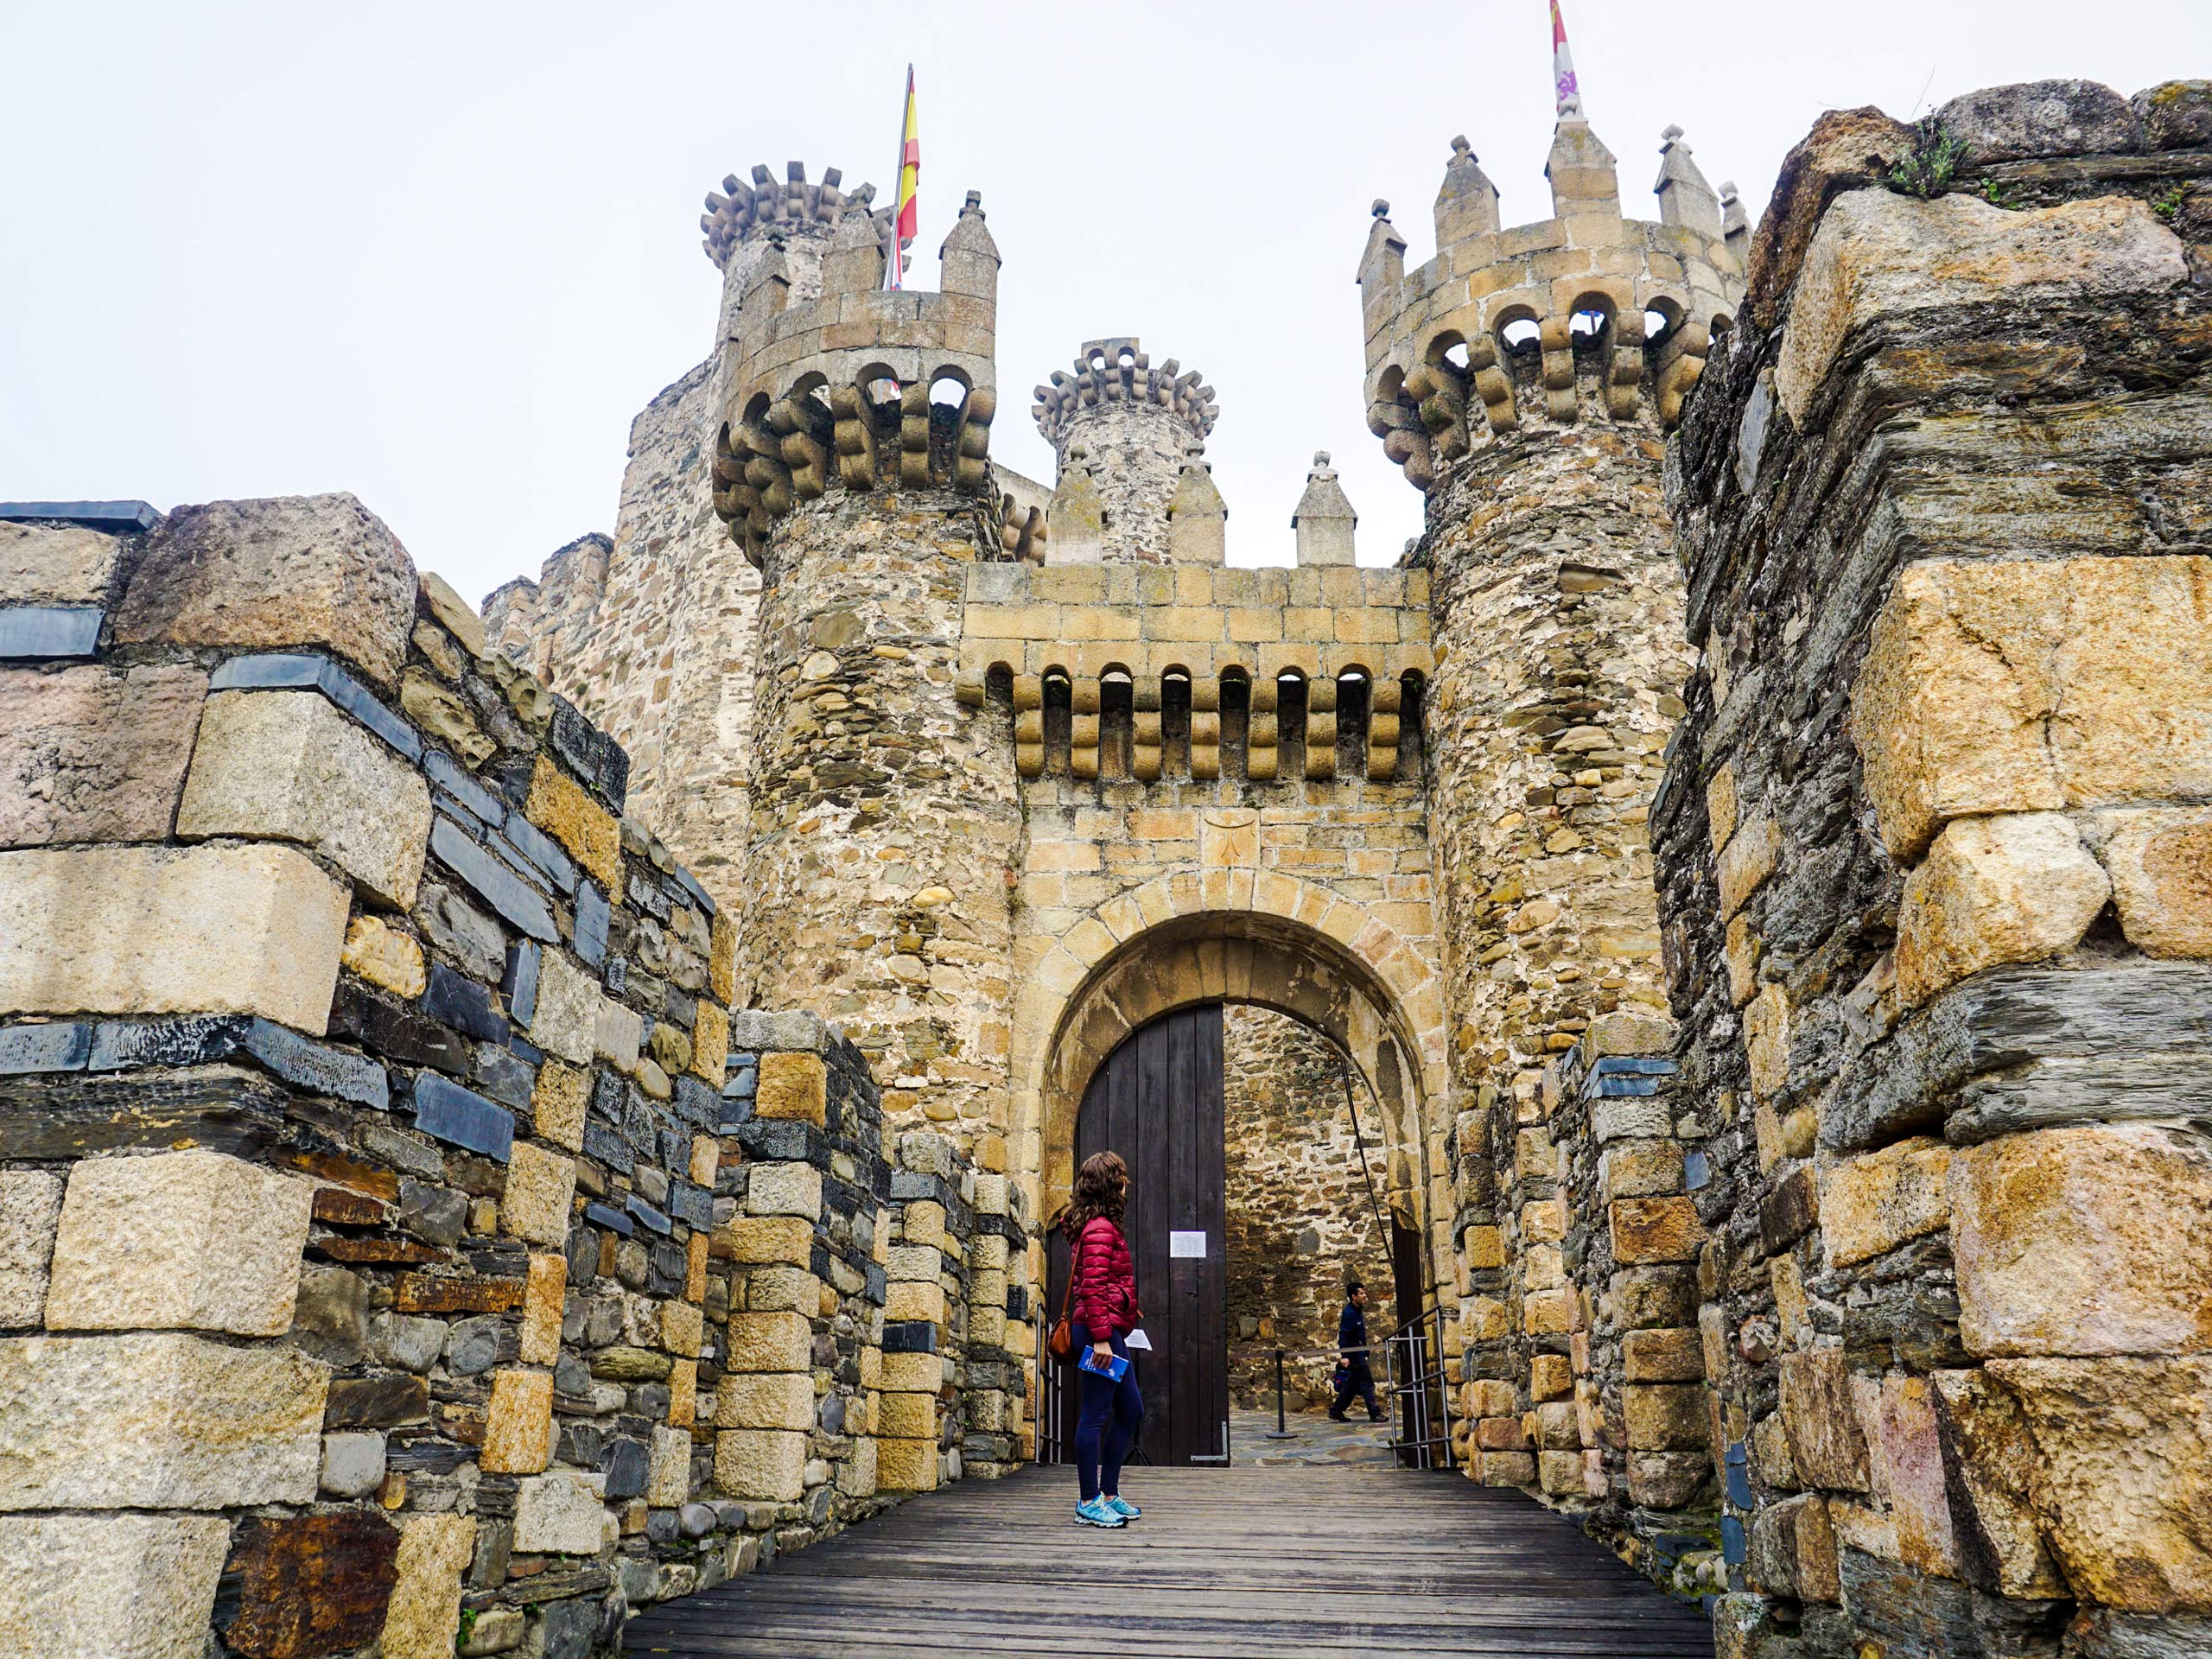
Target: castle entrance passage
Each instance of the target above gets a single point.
(1157, 1100)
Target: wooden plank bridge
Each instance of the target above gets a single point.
(1235, 1562)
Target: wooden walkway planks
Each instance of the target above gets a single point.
(1230, 1562)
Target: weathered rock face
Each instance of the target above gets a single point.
(1303, 1211)
(1947, 587)
(314, 569)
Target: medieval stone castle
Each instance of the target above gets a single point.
(509, 1119)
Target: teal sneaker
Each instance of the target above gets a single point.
(1096, 1514)
(1121, 1506)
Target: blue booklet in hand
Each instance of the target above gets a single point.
(1113, 1367)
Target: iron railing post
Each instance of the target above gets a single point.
(1279, 1433)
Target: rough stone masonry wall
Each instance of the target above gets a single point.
(1933, 849)
(1300, 1206)
(652, 636)
(394, 1253)
(885, 820)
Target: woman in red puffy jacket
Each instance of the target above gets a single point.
(1105, 1312)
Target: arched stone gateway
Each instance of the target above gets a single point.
(1233, 936)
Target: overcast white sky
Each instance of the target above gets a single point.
(439, 254)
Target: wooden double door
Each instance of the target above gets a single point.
(1157, 1101)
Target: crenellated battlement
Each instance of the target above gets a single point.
(740, 212)
(1111, 371)
(1585, 314)
(853, 384)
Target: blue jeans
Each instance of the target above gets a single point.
(1108, 1426)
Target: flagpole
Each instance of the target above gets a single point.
(895, 276)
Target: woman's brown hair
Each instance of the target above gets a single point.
(1101, 1188)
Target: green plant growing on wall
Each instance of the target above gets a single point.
(1933, 163)
(468, 1629)
(2167, 205)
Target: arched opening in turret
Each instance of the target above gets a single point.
(1059, 717)
(998, 685)
(948, 396)
(1175, 720)
(1236, 722)
(1290, 723)
(1117, 708)
(1519, 334)
(1352, 702)
(1411, 684)
(1590, 328)
(878, 390)
(1661, 316)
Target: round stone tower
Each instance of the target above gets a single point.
(1525, 379)
(852, 464)
(1130, 440)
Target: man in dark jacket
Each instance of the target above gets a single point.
(1355, 1377)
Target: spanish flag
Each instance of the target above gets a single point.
(910, 172)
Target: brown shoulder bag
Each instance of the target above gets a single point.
(1060, 1344)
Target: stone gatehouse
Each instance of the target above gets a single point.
(504, 1119)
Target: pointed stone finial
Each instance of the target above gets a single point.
(1467, 204)
(1684, 199)
(1383, 262)
(968, 260)
(1734, 225)
(1325, 520)
(1581, 171)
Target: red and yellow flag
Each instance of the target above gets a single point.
(910, 173)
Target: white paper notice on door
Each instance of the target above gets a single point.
(1187, 1244)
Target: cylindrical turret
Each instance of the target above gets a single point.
(1525, 380)
(853, 465)
(1130, 439)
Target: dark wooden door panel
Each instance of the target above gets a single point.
(1157, 1101)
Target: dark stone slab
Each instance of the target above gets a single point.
(609, 1148)
(697, 1103)
(2015, 1047)
(449, 775)
(593, 756)
(58, 1045)
(627, 1465)
(1788, 1213)
(375, 1401)
(53, 1116)
(601, 1214)
(318, 1068)
(497, 885)
(909, 1337)
(296, 1586)
(592, 919)
(542, 850)
(692, 1204)
(397, 1033)
(463, 1117)
(519, 983)
(505, 1076)
(652, 1217)
(116, 518)
(50, 631)
(464, 1004)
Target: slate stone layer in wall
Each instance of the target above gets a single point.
(401, 1237)
(1930, 849)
